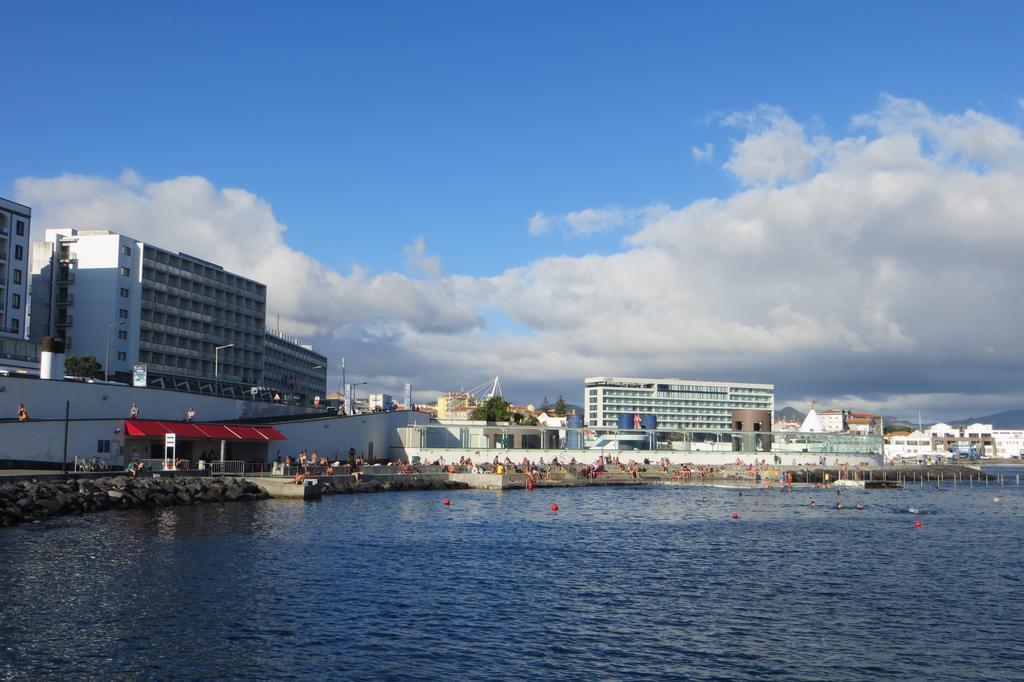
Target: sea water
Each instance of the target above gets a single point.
(657, 582)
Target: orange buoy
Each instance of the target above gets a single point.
(447, 502)
(735, 515)
(917, 524)
(554, 507)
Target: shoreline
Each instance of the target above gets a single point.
(27, 497)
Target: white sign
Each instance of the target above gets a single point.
(169, 440)
(139, 375)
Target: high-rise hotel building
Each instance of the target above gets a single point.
(193, 324)
(15, 227)
(678, 404)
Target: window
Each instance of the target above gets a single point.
(123, 313)
(124, 292)
(122, 334)
(102, 446)
(15, 325)
(126, 272)
(126, 250)
(121, 355)
(17, 276)
(16, 301)
(19, 252)
(21, 228)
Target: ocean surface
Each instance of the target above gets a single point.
(620, 583)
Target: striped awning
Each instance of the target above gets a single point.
(205, 431)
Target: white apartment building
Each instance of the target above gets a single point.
(15, 229)
(685, 404)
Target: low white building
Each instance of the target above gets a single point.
(832, 421)
(380, 402)
(915, 446)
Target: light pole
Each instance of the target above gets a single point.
(319, 367)
(216, 365)
(106, 363)
(361, 383)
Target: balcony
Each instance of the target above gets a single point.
(68, 257)
(66, 300)
(65, 277)
(66, 321)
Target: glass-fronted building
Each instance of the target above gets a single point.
(677, 404)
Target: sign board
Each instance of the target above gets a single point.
(170, 440)
(407, 397)
(139, 374)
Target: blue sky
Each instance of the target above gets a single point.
(368, 126)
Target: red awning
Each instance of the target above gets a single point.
(193, 431)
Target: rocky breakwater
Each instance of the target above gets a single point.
(341, 485)
(37, 500)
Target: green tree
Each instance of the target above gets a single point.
(529, 420)
(560, 409)
(494, 409)
(82, 366)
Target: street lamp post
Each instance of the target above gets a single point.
(216, 365)
(361, 383)
(317, 367)
(106, 363)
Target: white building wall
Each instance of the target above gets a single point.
(14, 300)
(832, 422)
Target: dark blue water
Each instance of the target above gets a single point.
(620, 583)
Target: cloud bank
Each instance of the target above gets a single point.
(880, 268)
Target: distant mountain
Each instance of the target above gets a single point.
(1008, 419)
(790, 413)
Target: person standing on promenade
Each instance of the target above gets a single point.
(133, 413)
(22, 413)
(190, 414)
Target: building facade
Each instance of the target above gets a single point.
(15, 228)
(293, 368)
(126, 302)
(678, 404)
(194, 325)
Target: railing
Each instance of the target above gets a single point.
(171, 464)
(94, 464)
(65, 321)
(66, 300)
(229, 468)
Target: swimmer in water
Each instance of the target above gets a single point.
(839, 505)
(859, 505)
(914, 510)
(813, 503)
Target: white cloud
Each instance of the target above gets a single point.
(878, 267)
(238, 230)
(703, 154)
(417, 260)
(539, 224)
(775, 149)
(591, 221)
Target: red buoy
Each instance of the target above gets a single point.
(917, 524)
(529, 485)
(735, 515)
(554, 507)
(447, 502)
